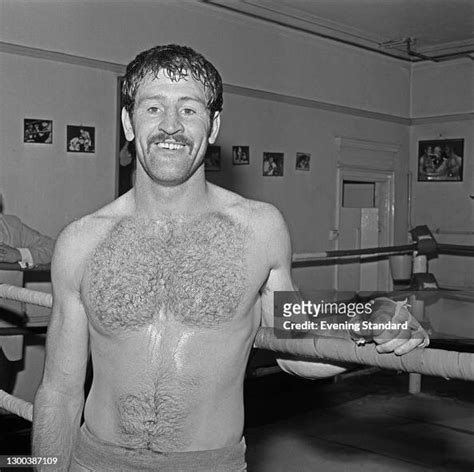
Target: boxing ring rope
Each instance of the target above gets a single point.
(436, 362)
(16, 406)
(442, 363)
(448, 249)
(33, 297)
(340, 253)
(8, 402)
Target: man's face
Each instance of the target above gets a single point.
(171, 127)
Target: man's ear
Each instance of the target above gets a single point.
(127, 125)
(215, 125)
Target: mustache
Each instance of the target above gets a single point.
(162, 137)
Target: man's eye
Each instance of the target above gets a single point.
(153, 110)
(188, 111)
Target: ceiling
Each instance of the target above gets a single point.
(413, 30)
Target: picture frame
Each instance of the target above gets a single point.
(80, 139)
(240, 155)
(303, 161)
(440, 160)
(37, 131)
(212, 158)
(273, 164)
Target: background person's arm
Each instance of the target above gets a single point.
(9, 254)
(60, 398)
(24, 245)
(39, 245)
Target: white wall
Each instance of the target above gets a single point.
(445, 89)
(43, 184)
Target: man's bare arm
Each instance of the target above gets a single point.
(279, 279)
(60, 398)
(279, 257)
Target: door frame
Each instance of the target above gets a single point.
(369, 161)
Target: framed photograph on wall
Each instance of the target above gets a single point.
(303, 161)
(212, 159)
(441, 160)
(273, 164)
(240, 155)
(37, 131)
(80, 139)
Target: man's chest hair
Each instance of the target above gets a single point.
(190, 269)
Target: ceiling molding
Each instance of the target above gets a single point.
(319, 24)
(303, 26)
(362, 30)
(466, 45)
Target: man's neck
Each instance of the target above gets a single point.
(155, 200)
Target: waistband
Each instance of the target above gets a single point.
(98, 455)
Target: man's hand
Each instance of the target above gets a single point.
(404, 333)
(9, 254)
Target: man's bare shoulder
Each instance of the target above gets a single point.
(79, 233)
(270, 231)
(267, 216)
(79, 238)
(262, 216)
(87, 229)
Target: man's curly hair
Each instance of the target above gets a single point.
(177, 62)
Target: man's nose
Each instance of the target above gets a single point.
(171, 123)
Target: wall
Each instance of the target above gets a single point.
(43, 184)
(445, 93)
(440, 89)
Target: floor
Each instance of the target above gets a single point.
(362, 423)
(367, 423)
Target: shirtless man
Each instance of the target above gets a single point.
(166, 287)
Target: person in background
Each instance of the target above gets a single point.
(21, 244)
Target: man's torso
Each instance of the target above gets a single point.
(173, 307)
